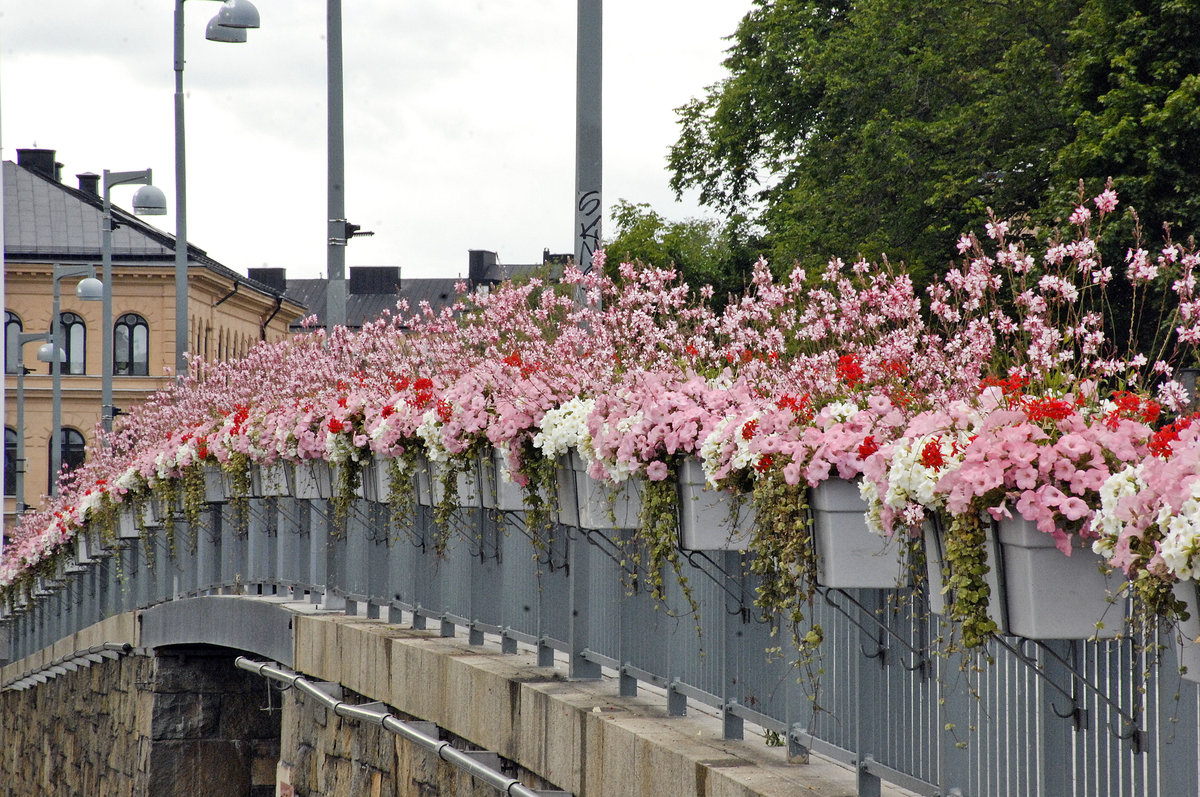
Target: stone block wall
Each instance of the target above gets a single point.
(81, 733)
(186, 722)
(325, 755)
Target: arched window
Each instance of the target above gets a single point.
(74, 451)
(131, 346)
(73, 337)
(10, 461)
(12, 340)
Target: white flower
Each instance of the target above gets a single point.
(841, 411)
(911, 481)
(1126, 482)
(430, 431)
(564, 428)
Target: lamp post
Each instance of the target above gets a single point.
(89, 289)
(19, 463)
(147, 201)
(229, 25)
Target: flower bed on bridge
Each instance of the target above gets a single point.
(1018, 387)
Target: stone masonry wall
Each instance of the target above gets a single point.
(80, 733)
(325, 755)
(184, 723)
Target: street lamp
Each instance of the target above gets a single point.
(19, 463)
(229, 25)
(89, 289)
(147, 201)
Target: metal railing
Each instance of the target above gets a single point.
(1056, 719)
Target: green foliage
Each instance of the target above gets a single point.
(1133, 91)
(703, 251)
(784, 555)
(883, 126)
(965, 572)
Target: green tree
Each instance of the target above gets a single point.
(704, 251)
(880, 126)
(1133, 91)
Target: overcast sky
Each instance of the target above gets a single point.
(459, 117)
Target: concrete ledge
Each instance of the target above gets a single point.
(582, 736)
(121, 628)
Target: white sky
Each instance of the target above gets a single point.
(459, 118)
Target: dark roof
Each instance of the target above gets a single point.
(47, 221)
(365, 307)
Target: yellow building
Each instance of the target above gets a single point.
(47, 222)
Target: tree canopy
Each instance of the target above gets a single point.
(704, 251)
(890, 126)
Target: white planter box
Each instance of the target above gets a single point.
(216, 484)
(85, 549)
(499, 492)
(467, 484)
(313, 480)
(849, 554)
(376, 479)
(1188, 631)
(1052, 596)
(270, 481)
(587, 503)
(423, 480)
(151, 512)
(936, 585)
(127, 528)
(711, 520)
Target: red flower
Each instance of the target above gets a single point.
(931, 454)
(869, 446)
(444, 410)
(1042, 409)
(336, 426)
(764, 462)
(849, 370)
(749, 429)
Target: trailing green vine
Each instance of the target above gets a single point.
(343, 491)
(237, 470)
(965, 571)
(541, 474)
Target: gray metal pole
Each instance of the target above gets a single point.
(19, 464)
(106, 322)
(182, 330)
(589, 60)
(111, 179)
(56, 399)
(335, 296)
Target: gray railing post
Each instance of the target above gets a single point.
(1054, 731)
(579, 556)
(731, 633)
(258, 560)
(353, 549)
(318, 546)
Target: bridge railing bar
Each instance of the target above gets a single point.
(475, 763)
(888, 702)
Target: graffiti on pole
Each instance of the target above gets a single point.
(587, 225)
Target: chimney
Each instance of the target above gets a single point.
(89, 183)
(480, 263)
(273, 278)
(374, 280)
(40, 161)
